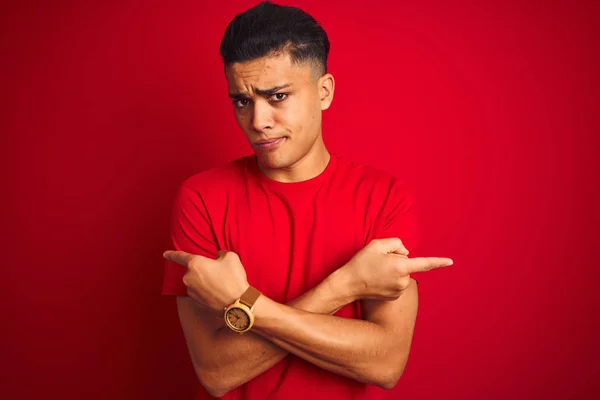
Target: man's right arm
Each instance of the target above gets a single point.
(224, 360)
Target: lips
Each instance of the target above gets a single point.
(261, 142)
(268, 144)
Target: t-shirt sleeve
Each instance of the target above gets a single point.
(191, 231)
(399, 218)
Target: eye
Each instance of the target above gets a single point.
(240, 103)
(279, 97)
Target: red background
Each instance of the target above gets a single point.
(489, 110)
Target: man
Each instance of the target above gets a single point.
(274, 244)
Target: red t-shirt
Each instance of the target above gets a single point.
(289, 237)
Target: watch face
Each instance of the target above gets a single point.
(238, 319)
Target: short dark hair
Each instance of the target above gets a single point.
(269, 29)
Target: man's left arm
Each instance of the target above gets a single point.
(373, 350)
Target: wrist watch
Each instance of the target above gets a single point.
(240, 315)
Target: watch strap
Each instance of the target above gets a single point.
(250, 296)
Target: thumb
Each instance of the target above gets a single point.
(393, 245)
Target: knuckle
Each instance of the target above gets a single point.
(405, 282)
(186, 280)
(401, 269)
(192, 263)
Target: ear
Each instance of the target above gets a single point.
(326, 86)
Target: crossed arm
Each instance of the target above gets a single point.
(373, 350)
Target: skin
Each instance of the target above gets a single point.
(293, 112)
(373, 350)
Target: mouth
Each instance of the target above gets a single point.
(268, 144)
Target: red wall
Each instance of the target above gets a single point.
(488, 109)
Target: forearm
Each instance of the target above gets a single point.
(361, 350)
(243, 357)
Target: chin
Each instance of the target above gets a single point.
(273, 161)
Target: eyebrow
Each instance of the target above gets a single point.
(262, 92)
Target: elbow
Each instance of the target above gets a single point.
(388, 374)
(215, 391)
(388, 383)
(217, 394)
(212, 383)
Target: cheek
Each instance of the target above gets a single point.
(307, 122)
(298, 117)
(239, 118)
(242, 120)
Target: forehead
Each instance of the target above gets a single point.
(266, 72)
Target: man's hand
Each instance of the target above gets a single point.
(213, 284)
(382, 269)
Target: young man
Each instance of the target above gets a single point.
(301, 250)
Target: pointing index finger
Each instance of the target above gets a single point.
(179, 257)
(422, 264)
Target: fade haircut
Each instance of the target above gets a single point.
(269, 30)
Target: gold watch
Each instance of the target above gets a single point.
(240, 315)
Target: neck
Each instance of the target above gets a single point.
(310, 166)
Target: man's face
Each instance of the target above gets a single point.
(278, 105)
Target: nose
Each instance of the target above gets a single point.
(261, 116)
